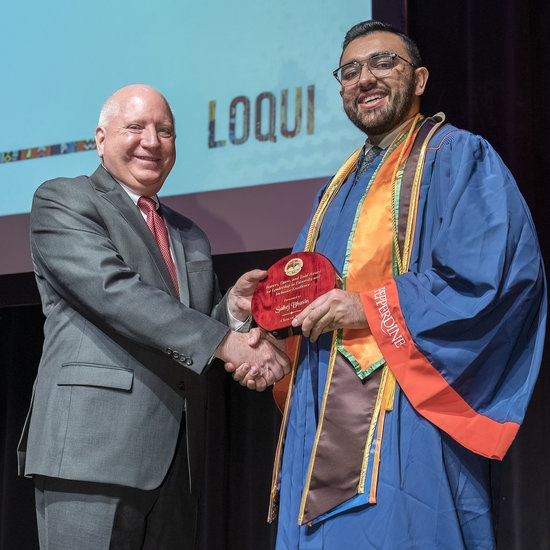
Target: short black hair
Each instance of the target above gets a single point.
(370, 26)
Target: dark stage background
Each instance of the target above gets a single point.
(489, 64)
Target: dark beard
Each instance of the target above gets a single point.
(392, 118)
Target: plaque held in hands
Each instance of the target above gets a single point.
(291, 285)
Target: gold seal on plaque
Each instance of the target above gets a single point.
(294, 266)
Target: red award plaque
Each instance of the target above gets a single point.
(290, 286)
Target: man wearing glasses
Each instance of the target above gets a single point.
(418, 371)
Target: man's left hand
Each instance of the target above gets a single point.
(333, 310)
(239, 298)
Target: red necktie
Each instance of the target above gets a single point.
(157, 227)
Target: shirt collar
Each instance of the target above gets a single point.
(131, 193)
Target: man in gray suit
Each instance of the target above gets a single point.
(114, 435)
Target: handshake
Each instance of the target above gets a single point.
(256, 359)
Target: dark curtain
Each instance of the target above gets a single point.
(20, 347)
(489, 64)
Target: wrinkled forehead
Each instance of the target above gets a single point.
(153, 108)
(366, 46)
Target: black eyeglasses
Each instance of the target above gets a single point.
(380, 65)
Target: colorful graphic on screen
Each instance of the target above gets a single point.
(250, 83)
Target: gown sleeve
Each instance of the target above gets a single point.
(463, 329)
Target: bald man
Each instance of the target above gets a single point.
(114, 435)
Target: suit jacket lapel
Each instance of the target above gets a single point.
(178, 250)
(113, 193)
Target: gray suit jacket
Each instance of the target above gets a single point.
(122, 356)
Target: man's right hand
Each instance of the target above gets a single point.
(255, 359)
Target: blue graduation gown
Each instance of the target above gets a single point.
(474, 302)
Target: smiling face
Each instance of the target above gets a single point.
(379, 105)
(136, 138)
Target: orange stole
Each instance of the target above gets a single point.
(379, 235)
(369, 258)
